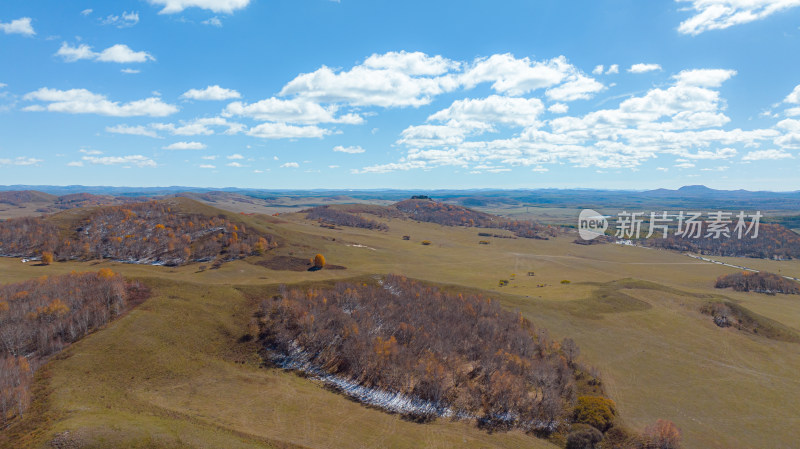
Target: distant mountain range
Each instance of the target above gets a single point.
(694, 196)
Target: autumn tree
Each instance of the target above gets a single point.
(661, 435)
(596, 411)
(319, 261)
(47, 258)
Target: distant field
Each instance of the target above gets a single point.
(171, 372)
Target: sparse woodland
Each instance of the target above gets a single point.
(773, 242)
(149, 232)
(761, 282)
(461, 351)
(39, 317)
(452, 215)
(328, 215)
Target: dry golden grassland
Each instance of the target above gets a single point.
(171, 373)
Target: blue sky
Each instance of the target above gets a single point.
(414, 94)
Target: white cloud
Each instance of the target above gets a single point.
(19, 26)
(133, 160)
(761, 155)
(130, 71)
(644, 68)
(82, 101)
(211, 93)
(296, 110)
(493, 109)
(284, 131)
(124, 20)
(200, 126)
(367, 86)
(236, 156)
(794, 97)
(20, 161)
(721, 14)
(558, 108)
(218, 6)
(349, 150)
(90, 152)
(118, 53)
(516, 76)
(704, 77)
(598, 69)
(214, 21)
(209, 158)
(87, 11)
(613, 69)
(121, 53)
(290, 165)
(578, 87)
(416, 63)
(235, 164)
(685, 120)
(207, 166)
(185, 146)
(75, 164)
(131, 130)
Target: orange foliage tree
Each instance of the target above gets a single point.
(319, 261)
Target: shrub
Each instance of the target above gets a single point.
(483, 242)
(502, 282)
(661, 435)
(426, 242)
(596, 411)
(406, 237)
(47, 258)
(584, 438)
(565, 281)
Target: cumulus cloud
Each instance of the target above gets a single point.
(290, 165)
(131, 130)
(295, 110)
(493, 109)
(207, 166)
(391, 80)
(185, 146)
(613, 69)
(685, 119)
(200, 127)
(218, 6)
(761, 155)
(704, 77)
(236, 156)
(19, 26)
(20, 161)
(214, 92)
(214, 22)
(411, 63)
(82, 101)
(794, 97)
(598, 69)
(349, 150)
(558, 108)
(124, 20)
(136, 160)
(284, 131)
(130, 71)
(644, 68)
(721, 14)
(118, 53)
(514, 76)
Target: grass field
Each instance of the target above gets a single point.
(172, 373)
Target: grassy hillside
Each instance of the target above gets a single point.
(172, 373)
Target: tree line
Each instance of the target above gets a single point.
(761, 282)
(329, 215)
(39, 317)
(773, 242)
(452, 215)
(148, 232)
